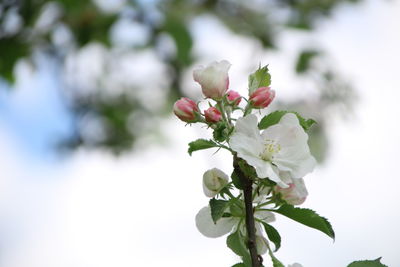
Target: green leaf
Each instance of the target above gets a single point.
(367, 263)
(307, 217)
(274, 118)
(200, 144)
(304, 60)
(266, 182)
(16, 48)
(260, 78)
(178, 30)
(233, 242)
(236, 243)
(219, 133)
(306, 124)
(275, 261)
(236, 181)
(236, 210)
(271, 119)
(273, 235)
(241, 264)
(218, 208)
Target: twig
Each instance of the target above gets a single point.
(250, 225)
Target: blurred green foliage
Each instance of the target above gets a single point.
(261, 20)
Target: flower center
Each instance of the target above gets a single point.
(270, 149)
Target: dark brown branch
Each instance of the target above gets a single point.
(250, 225)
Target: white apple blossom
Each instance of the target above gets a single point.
(224, 225)
(214, 79)
(213, 181)
(280, 147)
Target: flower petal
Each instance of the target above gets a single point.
(294, 154)
(297, 160)
(208, 192)
(213, 79)
(265, 216)
(296, 193)
(206, 226)
(248, 126)
(273, 174)
(261, 244)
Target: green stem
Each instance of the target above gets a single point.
(221, 107)
(247, 109)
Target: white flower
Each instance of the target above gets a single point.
(214, 79)
(280, 147)
(224, 225)
(213, 181)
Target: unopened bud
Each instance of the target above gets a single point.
(262, 97)
(234, 97)
(186, 109)
(214, 79)
(212, 115)
(295, 194)
(213, 181)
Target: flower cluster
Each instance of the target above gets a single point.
(270, 158)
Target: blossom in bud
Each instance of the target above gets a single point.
(295, 194)
(234, 97)
(213, 79)
(212, 115)
(186, 109)
(262, 97)
(213, 181)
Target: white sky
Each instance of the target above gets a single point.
(95, 210)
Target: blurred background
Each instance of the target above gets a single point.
(94, 165)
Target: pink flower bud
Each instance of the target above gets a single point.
(186, 109)
(213, 79)
(295, 194)
(262, 97)
(212, 115)
(234, 97)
